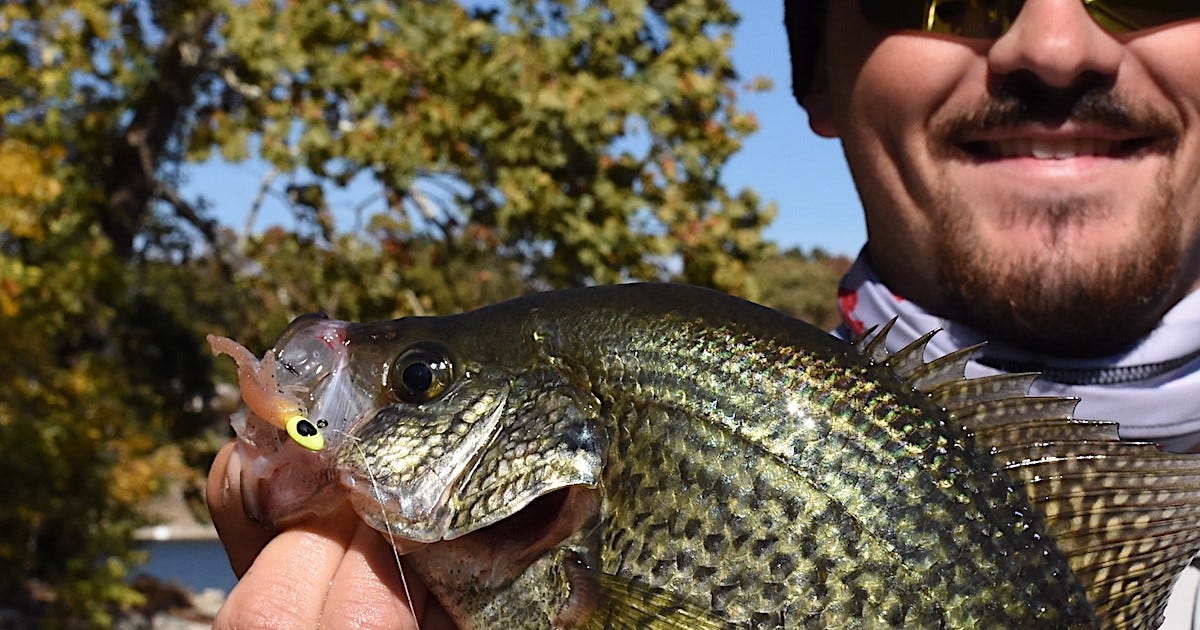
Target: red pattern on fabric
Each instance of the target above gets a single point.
(847, 300)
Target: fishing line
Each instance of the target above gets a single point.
(387, 524)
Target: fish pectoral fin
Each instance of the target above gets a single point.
(619, 603)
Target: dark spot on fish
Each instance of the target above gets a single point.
(820, 576)
(713, 543)
(661, 568)
(782, 565)
(896, 613)
(686, 474)
(656, 529)
(722, 594)
(704, 572)
(764, 545)
(774, 591)
(792, 508)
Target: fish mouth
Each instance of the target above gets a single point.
(543, 516)
(505, 549)
(542, 524)
(284, 483)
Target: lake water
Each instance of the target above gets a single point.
(193, 564)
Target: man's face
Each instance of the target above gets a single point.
(1043, 186)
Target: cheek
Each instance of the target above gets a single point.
(901, 86)
(1169, 59)
(912, 76)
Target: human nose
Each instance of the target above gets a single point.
(1058, 42)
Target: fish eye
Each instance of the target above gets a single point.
(422, 373)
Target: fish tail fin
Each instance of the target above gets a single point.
(1125, 514)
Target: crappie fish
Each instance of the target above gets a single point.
(663, 456)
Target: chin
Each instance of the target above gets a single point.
(1068, 289)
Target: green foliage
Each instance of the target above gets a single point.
(510, 146)
(83, 421)
(585, 138)
(802, 284)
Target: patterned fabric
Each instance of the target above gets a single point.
(1152, 390)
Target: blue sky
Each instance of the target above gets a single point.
(784, 161)
(806, 176)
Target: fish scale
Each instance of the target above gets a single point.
(680, 377)
(661, 456)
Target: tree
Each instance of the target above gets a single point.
(584, 138)
(802, 284)
(510, 145)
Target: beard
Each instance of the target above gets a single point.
(1061, 298)
(1060, 293)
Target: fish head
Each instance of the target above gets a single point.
(439, 428)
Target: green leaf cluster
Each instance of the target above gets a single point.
(587, 138)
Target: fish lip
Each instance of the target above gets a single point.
(315, 353)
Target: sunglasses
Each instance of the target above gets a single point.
(990, 18)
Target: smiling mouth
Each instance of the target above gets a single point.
(1056, 149)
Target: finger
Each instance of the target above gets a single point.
(288, 583)
(242, 537)
(369, 590)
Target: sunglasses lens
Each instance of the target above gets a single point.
(1120, 16)
(990, 18)
(965, 18)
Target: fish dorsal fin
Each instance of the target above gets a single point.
(1125, 514)
(870, 342)
(908, 360)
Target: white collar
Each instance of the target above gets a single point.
(1152, 389)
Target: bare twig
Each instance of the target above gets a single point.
(206, 227)
(255, 206)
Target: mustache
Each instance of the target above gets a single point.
(1009, 109)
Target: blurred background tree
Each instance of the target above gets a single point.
(801, 284)
(507, 146)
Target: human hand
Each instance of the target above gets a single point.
(333, 571)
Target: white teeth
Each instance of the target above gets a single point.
(1052, 149)
(1045, 150)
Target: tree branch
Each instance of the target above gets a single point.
(131, 176)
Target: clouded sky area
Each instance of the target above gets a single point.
(784, 161)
